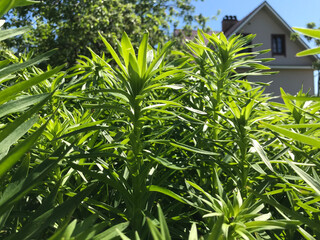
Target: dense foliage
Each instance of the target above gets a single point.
(139, 147)
(72, 25)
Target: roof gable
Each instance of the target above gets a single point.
(265, 6)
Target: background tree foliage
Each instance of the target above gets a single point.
(72, 25)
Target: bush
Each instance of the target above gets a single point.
(140, 147)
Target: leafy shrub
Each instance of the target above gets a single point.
(115, 139)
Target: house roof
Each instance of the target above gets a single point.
(193, 33)
(239, 25)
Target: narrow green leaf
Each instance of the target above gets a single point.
(234, 108)
(82, 130)
(4, 216)
(34, 228)
(200, 189)
(294, 136)
(11, 127)
(21, 104)
(315, 33)
(116, 92)
(271, 225)
(159, 58)
(155, 106)
(295, 215)
(12, 138)
(21, 3)
(163, 225)
(5, 34)
(307, 178)
(117, 184)
(306, 125)
(5, 6)
(137, 236)
(258, 66)
(303, 98)
(286, 101)
(192, 149)
(193, 235)
(166, 102)
(14, 192)
(166, 163)
(154, 231)
(39, 174)
(262, 154)
(87, 228)
(216, 231)
(307, 52)
(111, 232)
(200, 35)
(114, 54)
(196, 49)
(210, 215)
(66, 232)
(154, 188)
(142, 54)
(126, 48)
(166, 74)
(248, 110)
(246, 235)
(22, 172)
(305, 234)
(10, 92)
(134, 69)
(119, 108)
(196, 111)
(19, 66)
(150, 56)
(123, 237)
(18, 151)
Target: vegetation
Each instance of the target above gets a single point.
(137, 146)
(68, 25)
(311, 34)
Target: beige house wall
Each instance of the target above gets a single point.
(295, 72)
(263, 25)
(291, 80)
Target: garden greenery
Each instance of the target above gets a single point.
(142, 147)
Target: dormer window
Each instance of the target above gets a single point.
(278, 44)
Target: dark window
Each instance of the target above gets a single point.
(278, 44)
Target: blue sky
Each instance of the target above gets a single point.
(297, 13)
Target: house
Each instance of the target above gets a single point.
(274, 33)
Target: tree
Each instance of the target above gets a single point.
(73, 25)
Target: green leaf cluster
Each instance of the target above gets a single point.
(94, 151)
(71, 25)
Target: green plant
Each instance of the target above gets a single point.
(19, 175)
(71, 25)
(93, 152)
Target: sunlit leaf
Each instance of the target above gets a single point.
(295, 136)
